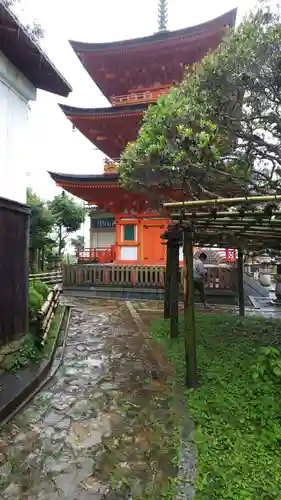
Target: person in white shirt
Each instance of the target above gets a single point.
(199, 274)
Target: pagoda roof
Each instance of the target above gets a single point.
(117, 67)
(102, 190)
(110, 128)
(80, 179)
(21, 48)
(105, 191)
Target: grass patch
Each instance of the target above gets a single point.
(237, 408)
(29, 352)
(53, 332)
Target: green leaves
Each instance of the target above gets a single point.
(66, 212)
(268, 365)
(68, 217)
(41, 220)
(235, 94)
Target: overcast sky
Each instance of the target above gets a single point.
(53, 145)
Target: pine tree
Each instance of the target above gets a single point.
(162, 15)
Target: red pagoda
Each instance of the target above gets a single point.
(131, 74)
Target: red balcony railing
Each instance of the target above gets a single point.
(98, 255)
(138, 97)
(228, 254)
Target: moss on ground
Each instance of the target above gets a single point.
(27, 351)
(237, 408)
(54, 330)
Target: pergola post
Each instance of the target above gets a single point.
(174, 236)
(249, 228)
(167, 291)
(191, 379)
(240, 282)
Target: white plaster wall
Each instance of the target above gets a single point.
(129, 253)
(15, 93)
(102, 238)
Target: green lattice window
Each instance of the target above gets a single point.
(129, 232)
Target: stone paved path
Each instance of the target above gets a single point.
(102, 429)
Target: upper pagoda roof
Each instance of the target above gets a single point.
(21, 48)
(63, 179)
(117, 67)
(111, 128)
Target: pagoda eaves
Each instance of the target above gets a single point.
(119, 68)
(105, 191)
(109, 129)
(102, 190)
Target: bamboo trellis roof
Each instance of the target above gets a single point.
(254, 223)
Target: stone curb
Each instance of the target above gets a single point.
(187, 452)
(253, 301)
(40, 379)
(156, 351)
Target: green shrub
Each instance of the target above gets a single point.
(41, 288)
(38, 292)
(28, 353)
(35, 300)
(268, 365)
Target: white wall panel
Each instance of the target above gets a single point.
(102, 239)
(15, 92)
(129, 253)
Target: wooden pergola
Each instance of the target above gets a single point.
(242, 223)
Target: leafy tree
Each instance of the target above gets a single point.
(78, 242)
(219, 132)
(41, 223)
(68, 217)
(34, 28)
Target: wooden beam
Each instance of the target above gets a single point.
(224, 201)
(167, 292)
(232, 215)
(174, 289)
(189, 314)
(240, 282)
(273, 223)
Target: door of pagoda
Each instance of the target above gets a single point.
(153, 252)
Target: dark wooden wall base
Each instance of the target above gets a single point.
(14, 239)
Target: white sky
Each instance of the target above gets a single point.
(53, 145)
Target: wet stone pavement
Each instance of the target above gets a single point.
(103, 429)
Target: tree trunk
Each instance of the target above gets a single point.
(33, 259)
(60, 241)
(43, 258)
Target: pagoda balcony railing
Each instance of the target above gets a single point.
(105, 255)
(145, 96)
(98, 255)
(219, 277)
